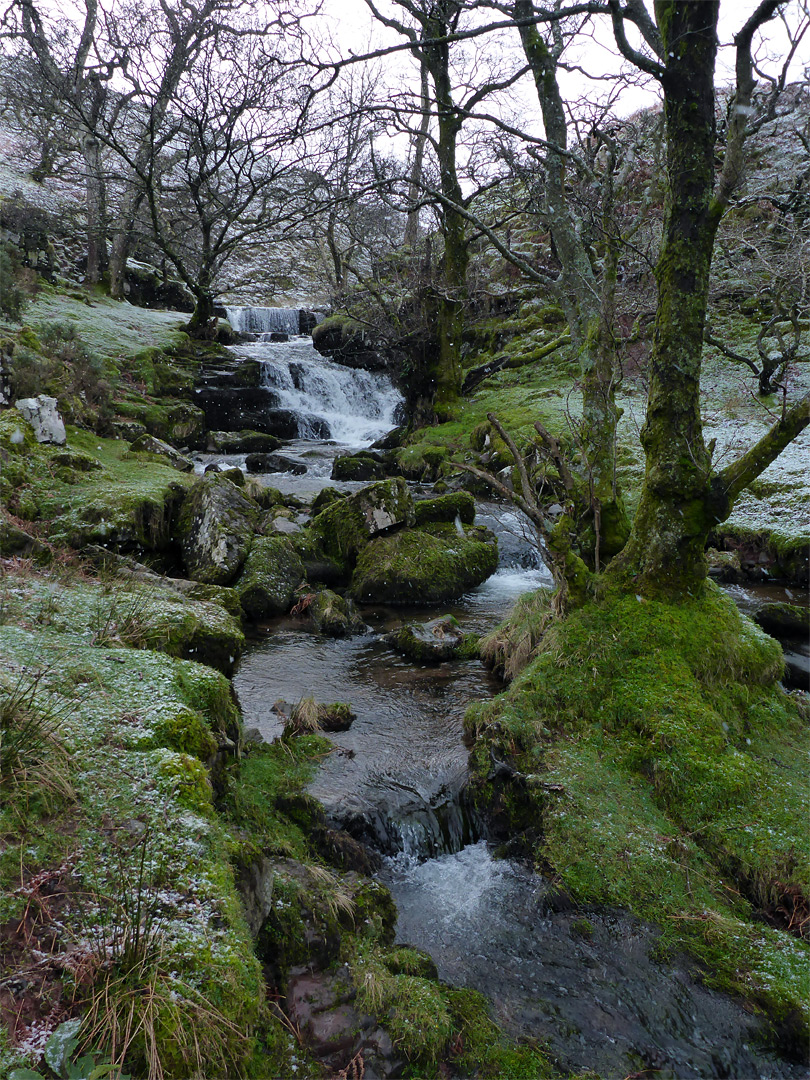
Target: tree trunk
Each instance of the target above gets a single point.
(665, 553)
(96, 210)
(589, 306)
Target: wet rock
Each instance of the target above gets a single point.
(272, 463)
(424, 566)
(391, 440)
(335, 616)
(281, 526)
(148, 444)
(242, 442)
(363, 466)
(784, 620)
(345, 528)
(229, 472)
(325, 497)
(216, 528)
(724, 565)
(43, 416)
(435, 641)
(271, 574)
(459, 504)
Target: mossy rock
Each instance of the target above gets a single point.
(16, 434)
(344, 528)
(649, 757)
(433, 642)
(335, 616)
(157, 448)
(363, 466)
(216, 529)
(242, 442)
(459, 504)
(185, 731)
(784, 620)
(408, 960)
(271, 574)
(424, 566)
(319, 568)
(325, 497)
(337, 716)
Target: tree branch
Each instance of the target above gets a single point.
(741, 472)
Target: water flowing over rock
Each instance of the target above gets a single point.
(264, 320)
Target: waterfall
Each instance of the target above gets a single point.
(358, 406)
(264, 320)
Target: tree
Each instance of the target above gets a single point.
(683, 496)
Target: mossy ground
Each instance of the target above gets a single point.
(662, 768)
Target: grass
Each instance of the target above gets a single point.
(665, 771)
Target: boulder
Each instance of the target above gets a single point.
(280, 526)
(724, 566)
(335, 616)
(272, 573)
(434, 641)
(424, 566)
(447, 508)
(345, 527)
(43, 416)
(363, 466)
(784, 620)
(216, 528)
(241, 442)
(325, 497)
(148, 444)
(270, 463)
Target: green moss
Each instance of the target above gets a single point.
(271, 574)
(446, 508)
(184, 731)
(427, 565)
(663, 771)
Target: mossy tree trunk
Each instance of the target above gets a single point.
(452, 292)
(588, 302)
(682, 496)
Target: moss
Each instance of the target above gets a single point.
(271, 574)
(184, 731)
(344, 527)
(659, 764)
(408, 960)
(446, 508)
(426, 566)
(187, 779)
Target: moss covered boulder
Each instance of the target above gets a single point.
(216, 529)
(272, 573)
(459, 504)
(344, 527)
(335, 616)
(363, 466)
(784, 620)
(424, 566)
(431, 642)
(151, 446)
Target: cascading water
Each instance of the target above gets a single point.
(327, 400)
(264, 320)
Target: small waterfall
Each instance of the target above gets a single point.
(358, 406)
(264, 320)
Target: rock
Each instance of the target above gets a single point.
(145, 286)
(335, 717)
(282, 527)
(784, 620)
(128, 430)
(270, 463)
(424, 566)
(148, 444)
(234, 408)
(460, 505)
(307, 321)
(363, 466)
(14, 541)
(724, 565)
(43, 416)
(272, 573)
(325, 497)
(391, 440)
(228, 472)
(344, 528)
(216, 528)
(435, 641)
(335, 616)
(242, 442)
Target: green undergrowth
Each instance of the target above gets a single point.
(436, 1027)
(88, 491)
(127, 872)
(652, 761)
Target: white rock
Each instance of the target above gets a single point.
(44, 418)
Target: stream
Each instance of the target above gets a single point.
(396, 781)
